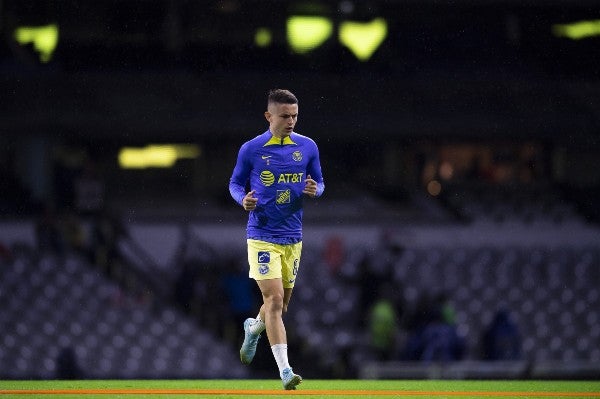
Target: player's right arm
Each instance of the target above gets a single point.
(240, 175)
(249, 201)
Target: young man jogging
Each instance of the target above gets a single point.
(282, 167)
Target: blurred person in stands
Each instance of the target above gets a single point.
(48, 234)
(502, 339)
(107, 231)
(73, 232)
(441, 341)
(434, 336)
(281, 167)
(383, 323)
(239, 295)
(415, 324)
(67, 366)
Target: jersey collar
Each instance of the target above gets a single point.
(276, 141)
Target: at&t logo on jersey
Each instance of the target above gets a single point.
(267, 178)
(290, 178)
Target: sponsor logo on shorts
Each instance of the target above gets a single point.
(295, 270)
(264, 257)
(263, 269)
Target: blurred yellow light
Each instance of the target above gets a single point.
(263, 37)
(305, 33)
(156, 156)
(44, 39)
(577, 30)
(363, 38)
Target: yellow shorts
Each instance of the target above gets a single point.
(269, 261)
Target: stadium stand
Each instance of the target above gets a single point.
(52, 303)
(545, 271)
(552, 294)
(521, 203)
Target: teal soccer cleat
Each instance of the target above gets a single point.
(289, 379)
(248, 349)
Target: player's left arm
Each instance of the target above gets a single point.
(314, 184)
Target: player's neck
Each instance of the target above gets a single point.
(280, 136)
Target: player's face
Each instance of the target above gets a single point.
(282, 118)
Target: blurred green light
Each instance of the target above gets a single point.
(363, 38)
(305, 33)
(577, 30)
(44, 39)
(263, 37)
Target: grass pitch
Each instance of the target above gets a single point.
(236, 389)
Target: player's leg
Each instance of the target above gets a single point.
(264, 263)
(273, 294)
(290, 261)
(273, 297)
(290, 264)
(268, 264)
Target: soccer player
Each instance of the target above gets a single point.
(281, 167)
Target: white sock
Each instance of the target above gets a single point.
(281, 357)
(258, 326)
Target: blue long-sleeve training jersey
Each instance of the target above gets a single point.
(276, 169)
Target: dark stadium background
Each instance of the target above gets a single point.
(461, 161)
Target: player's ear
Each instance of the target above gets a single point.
(268, 116)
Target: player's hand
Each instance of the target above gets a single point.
(310, 187)
(249, 202)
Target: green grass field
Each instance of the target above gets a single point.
(155, 389)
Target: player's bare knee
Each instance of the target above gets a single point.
(274, 303)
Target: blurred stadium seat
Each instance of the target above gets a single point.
(54, 303)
